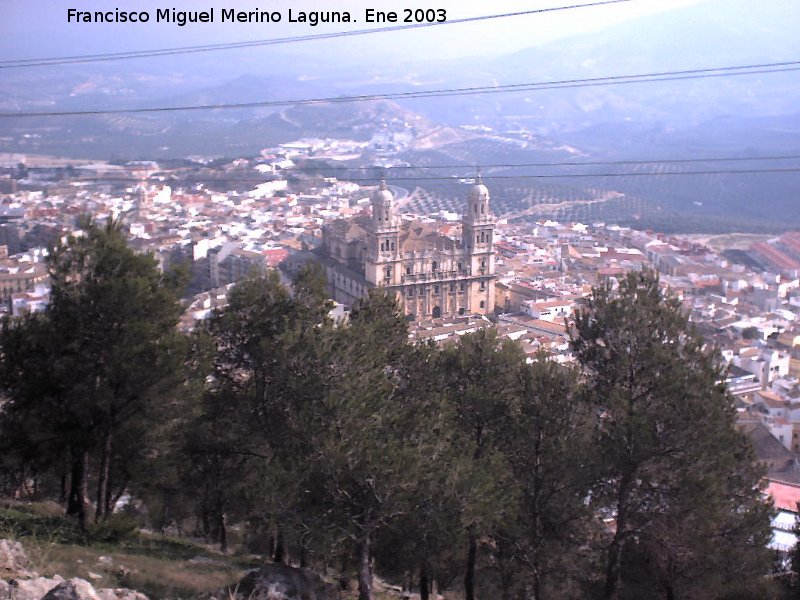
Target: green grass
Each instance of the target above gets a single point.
(156, 565)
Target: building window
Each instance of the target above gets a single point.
(483, 286)
(392, 246)
(481, 208)
(410, 292)
(408, 270)
(462, 287)
(434, 265)
(459, 266)
(436, 289)
(483, 304)
(483, 264)
(461, 310)
(388, 272)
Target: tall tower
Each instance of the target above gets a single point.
(382, 264)
(478, 233)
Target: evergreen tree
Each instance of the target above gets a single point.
(367, 454)
(248, 435)
(549, 452)
(674, 473)
(482, 379)
(424, 544)
(105, 349)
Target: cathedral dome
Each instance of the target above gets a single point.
(382, 195)
(479, 192)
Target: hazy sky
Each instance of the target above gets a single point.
(30, 28)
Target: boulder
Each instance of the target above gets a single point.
(72, 589)
(14, 563)
(34, 589)
(120, 594)
(17, 581)
(281, 582)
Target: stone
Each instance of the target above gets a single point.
(34, 589)
(120, 594)
(281, 582)
(72, 589)
(14, 563)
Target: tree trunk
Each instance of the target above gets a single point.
(79, 487)
(614, 560)
(205, 521)
(222, 533)
(344, 581)
(469, 577)
(364, 571)
(504, 570)
(102, 479)
(613, 569)
(536, 586)
(669, 582)
(280, 548)
(424, 583)
(62, 494)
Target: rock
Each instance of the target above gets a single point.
(207, 561)
(94, 576)
(120, 594)
(33, 589)
(281, 582)
(14, 563)
(19, 583)
(72, 589)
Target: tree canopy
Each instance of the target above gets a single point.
(344, 445)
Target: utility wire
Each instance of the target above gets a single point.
(762, 68)
(87, 58)
(550, 164)
(455, 178)
(629, 162)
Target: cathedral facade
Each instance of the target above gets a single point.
(432, 274)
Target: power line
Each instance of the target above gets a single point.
(574, 163)
(455, 178)
(777, 67)
(87, 58)
(554, 164)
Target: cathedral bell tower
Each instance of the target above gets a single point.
(478, 233)
(382, 264)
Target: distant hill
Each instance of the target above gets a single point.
(729, 116)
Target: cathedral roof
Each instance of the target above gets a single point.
(416, 237)
(351, 229)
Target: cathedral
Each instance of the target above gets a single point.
(433, 275)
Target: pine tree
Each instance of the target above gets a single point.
(549, 453)
(367, 453)
(105, 349)
(482, 379)
(675, 474)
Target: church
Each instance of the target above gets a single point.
(432, 274)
